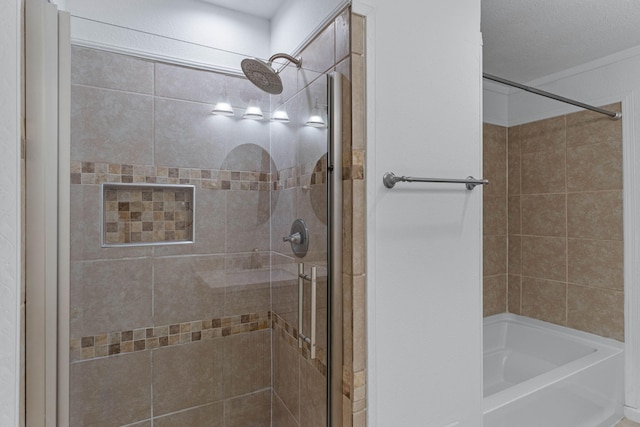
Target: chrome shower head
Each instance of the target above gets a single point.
(263, 75)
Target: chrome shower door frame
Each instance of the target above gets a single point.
(334, 243)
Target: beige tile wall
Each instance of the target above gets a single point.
(354, 245)
(138, 349)
(494, 198)
(565, 232)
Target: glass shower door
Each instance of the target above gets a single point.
(302, 268)
(185, 303)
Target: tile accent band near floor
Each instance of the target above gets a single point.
(132, 340)
(290, 335)
(141, 339)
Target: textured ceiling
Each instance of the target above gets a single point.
(260, 8)
(528, 39)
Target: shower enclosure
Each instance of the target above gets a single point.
(188, 304)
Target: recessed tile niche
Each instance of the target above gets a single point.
(147, 214)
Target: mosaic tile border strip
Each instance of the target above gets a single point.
(133, 340)
(141, 339)
(353, 167)
(290, 335)
(312, 173)
(212, 179)
(90, 173)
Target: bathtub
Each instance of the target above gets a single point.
(537, 374)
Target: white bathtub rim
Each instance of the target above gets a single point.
(606, 349)
(574, 334)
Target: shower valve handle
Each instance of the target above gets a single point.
(298, 238)
(295, 238)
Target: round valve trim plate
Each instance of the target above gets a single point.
(300, 248)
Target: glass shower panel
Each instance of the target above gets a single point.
(164, 330)
(190, 315)
(300, 376)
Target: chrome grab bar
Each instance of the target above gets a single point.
(390, 179)
(313, 279)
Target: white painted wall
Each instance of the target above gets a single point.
(10, 277)
(202, 24)
(424, 241)
(197, 22)
(297, 20)
(495, 104)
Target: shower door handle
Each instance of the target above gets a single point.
(314, 289)
(311, 340)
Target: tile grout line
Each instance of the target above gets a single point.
(506, 199)
(151, 387)
(566, 224)
(520, 220)
(108, 89)
(153, 116)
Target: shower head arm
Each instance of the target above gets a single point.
(297, 61)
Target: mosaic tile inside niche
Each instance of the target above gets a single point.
(149, 214)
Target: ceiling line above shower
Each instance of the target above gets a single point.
(614, 115)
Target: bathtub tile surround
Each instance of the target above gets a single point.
(495, 215)
(495, 293)
(565, 248)
(543, 299)
(594, 309)
(209, 330)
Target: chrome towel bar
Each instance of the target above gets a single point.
(390, 179)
